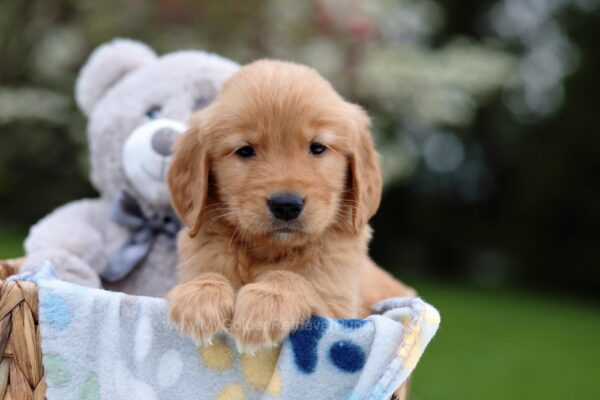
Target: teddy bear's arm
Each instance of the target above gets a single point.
(69, 238)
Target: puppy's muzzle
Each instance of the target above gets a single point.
(286, 207)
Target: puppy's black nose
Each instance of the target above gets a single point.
(162, 141)
(286, 207)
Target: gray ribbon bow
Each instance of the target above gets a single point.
(127, 212)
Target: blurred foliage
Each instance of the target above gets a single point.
(535, 218)
(11, 243)
(483, 113)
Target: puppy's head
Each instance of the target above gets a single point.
(279, 154)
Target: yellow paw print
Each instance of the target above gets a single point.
(260, 370)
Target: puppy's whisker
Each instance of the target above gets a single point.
(342, 216)
(341, 210)
(215, 210)
(221, 214)
(231, 240)
(210, 210)
(238, 234)
(213, 205)
(217, 218)
(213, 218)
(214, 215)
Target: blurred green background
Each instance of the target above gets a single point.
(486, 117)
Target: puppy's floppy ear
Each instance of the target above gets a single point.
(366, 181)
(188, 178)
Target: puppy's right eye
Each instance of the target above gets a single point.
(317, 148)
(245, 152)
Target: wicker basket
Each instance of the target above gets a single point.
(21, 369)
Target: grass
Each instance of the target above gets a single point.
(506, 345)
(493, 345)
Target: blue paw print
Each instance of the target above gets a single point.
(345, 355)
(304, 343)
(57, 311)
(352, 323)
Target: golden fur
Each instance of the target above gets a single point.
(241, 269)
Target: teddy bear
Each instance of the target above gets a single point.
(137, 103)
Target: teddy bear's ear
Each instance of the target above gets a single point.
(106, 66)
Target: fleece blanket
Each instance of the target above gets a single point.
(106, 345)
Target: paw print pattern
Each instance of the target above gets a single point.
(58, 315)
(304, 343)
(352, 324)
(345, 355)
(144, 354)
(58, 312)
(260, 372)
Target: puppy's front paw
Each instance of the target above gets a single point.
(264, 316)
(202, 307)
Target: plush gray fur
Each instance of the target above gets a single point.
(119, 83)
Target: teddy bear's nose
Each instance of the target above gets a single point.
(162, 141)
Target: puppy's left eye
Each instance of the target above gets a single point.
(317, 148)
(245, 152)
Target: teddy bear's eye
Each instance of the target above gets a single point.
(154, 112)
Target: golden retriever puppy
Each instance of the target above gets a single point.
(276, 181)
